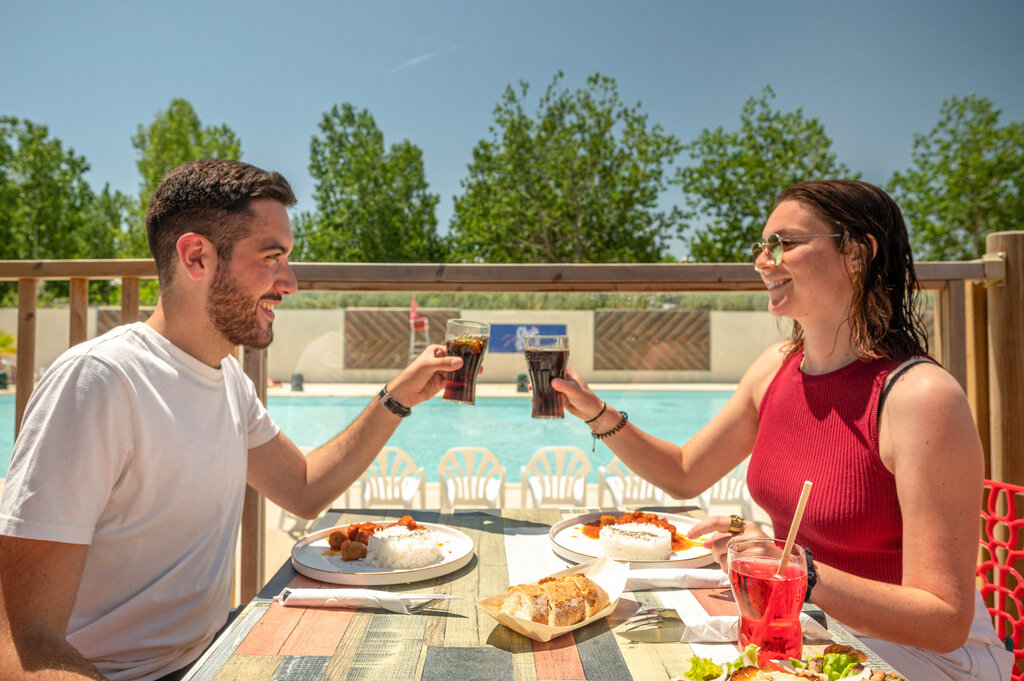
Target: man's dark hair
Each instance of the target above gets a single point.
(210, 197)
(884, 319)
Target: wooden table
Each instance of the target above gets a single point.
(454, 641)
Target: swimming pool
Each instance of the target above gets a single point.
(501, 424)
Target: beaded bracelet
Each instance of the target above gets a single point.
(604, 405)
(601, 436)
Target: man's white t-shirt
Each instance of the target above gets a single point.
(138, 449)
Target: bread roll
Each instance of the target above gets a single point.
(565, 601)
(527, 602)
(594, 597)
(555, 601)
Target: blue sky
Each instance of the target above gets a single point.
(874, 72)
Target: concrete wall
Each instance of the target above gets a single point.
(312, 342)
(53, 331)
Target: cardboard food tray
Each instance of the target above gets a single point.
(608, 574)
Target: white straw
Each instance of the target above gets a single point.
(798, 515)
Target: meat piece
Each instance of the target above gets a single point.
(334, 539)
(352, 550)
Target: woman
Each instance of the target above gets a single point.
(851, 402)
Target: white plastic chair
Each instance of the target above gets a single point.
(625, 487)
(479, 478)
(731, 490)
(393, 479)
(559, 482)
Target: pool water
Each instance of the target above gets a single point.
(501, 424)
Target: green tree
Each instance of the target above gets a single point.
(730, 190)
(372, 203)
(577, 181)
(47, 209)
(7, 345)
(966, 181)
(174, 137)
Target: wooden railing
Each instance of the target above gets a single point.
(977, 313)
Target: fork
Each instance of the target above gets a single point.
(652, 617)
(422, 605)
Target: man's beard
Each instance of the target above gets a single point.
(235, 313)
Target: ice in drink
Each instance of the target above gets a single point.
(467, 340)
(769, 603)
(546, 358)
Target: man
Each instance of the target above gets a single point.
(124, 496)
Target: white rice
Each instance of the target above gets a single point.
(398, 548)
(636, 541)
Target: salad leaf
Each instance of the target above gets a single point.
(840, 665)
(748, 658)
(702, 669)
(837, 665)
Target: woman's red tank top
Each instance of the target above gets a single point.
(825, 429)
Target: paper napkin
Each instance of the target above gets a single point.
(676, 578)
(351, 598)
(725, 629)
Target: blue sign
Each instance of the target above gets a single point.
(509, 337)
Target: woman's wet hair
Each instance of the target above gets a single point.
(885, 320)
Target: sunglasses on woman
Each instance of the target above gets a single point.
(775, 245)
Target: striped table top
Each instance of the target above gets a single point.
(455, 640)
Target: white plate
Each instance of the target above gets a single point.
(311, 557)
(569, 542)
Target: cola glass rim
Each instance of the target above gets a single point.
(546, 341)
(471, 328)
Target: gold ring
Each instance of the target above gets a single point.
(735, 524)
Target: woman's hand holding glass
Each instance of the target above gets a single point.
(580, 400)
(719, 542)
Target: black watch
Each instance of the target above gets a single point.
(812, 575)
(393, 405)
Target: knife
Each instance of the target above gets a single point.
(670, 633)
(400, 596)
(676, 631)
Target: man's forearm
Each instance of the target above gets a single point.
(332, 468)
(42, 657)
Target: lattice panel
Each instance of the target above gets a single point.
(659, 340)
(379, 339)
(107, 318)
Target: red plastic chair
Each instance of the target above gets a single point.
(1002, 551)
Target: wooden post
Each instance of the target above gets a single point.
(254, 521)
(950, 328)
(27, 293)
(129, 300)
(976, 316)
(1006, 359)
(78, 302)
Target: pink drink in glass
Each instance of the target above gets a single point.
(769, 604)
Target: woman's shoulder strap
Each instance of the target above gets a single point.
(895, 374)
